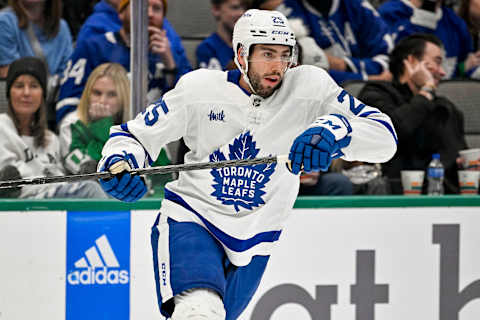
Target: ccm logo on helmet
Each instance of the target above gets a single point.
(280, 32)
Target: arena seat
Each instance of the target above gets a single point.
(465, 94)
(191, 18)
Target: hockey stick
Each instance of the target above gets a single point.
(145, 171)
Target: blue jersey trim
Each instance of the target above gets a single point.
(61, 113)
(127, 133)
(234, 77)
(164, 106)
(230, 242)
(389, 127)
(366, 114)
(124, 134)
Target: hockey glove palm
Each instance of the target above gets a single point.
(314, 149)
(123, 186)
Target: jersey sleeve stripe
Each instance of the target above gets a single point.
(366, 114)
(234, 244)
(389, 127)
(124, 127)
(164, 106)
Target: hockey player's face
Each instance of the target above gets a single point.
(26, 95)
(267, 66)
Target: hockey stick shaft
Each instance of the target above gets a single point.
(145, 171)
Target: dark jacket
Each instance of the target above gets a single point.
(423, 127)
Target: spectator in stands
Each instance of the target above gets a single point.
(27, 147)
(103, 19)
(166, 63)
(470, 12)
(34, 28)
(347, 37)
(425, 123)
(406, 17)
(104, 102)
(215, 52)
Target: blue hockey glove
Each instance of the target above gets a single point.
(314, 149)
(123, 186)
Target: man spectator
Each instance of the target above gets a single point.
(165, 64)
(406, 17)
(425, 123)
(347, 37)
(215, 52)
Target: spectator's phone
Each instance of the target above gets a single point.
(429, 5)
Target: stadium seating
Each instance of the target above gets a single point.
(466, 96)
(199, 24)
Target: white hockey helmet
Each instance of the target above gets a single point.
(261, 27)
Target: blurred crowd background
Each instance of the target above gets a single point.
(65, 78)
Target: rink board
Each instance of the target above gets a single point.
(386, 258)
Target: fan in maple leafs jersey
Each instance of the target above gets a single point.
(213, 221)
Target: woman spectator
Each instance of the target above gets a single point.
(34, 28)
(104, 102)
(27, 147)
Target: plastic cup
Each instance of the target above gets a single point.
(468, 182)
(412, 181)
(471, 158)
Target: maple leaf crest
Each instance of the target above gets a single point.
(241, 186)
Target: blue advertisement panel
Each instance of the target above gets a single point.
(98, 265)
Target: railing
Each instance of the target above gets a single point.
(302, 202)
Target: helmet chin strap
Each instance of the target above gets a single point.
(244, 71)
(245, 76)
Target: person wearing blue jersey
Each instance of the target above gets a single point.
(406, 17)
(216, 229)
(103, 19)
(34, 28)
(165, 63)
(346, 37)
(215, 52)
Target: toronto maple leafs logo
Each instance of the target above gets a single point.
(241, 186)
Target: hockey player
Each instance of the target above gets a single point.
(347, 37)
(212, 240)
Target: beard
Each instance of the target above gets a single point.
(261, 90)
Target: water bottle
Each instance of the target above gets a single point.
(435, 173)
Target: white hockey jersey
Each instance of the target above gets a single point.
(244, 207)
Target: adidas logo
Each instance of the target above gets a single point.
(97, 266)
